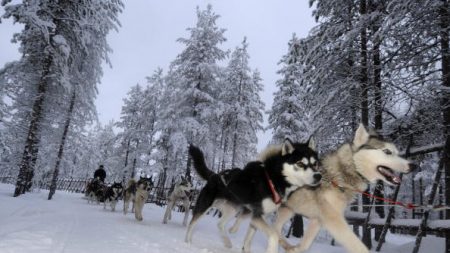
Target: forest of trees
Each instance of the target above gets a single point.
(383, 63)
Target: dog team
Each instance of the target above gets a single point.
(287, 179)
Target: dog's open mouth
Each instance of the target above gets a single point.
(389, 175)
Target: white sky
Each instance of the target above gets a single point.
(147, 40)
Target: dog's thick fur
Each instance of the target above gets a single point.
(137, 193)
(352, 166)
(112, 195)
(95, 190)
(293, 166)
(181, 192)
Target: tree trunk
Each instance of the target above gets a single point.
(127, 154)
(235, 130)
(378, 103)
(61, 146)
(363, 74)
(364, 104)
(30, 153)
(233, 157)
(445, 53)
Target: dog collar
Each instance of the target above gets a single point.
(275, 195)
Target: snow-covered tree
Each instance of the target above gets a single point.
(60, 66)
(288, 116)
(242, 110)
(194, 74)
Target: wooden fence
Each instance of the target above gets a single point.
(157, 195)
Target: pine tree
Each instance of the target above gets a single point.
(195, 72)
(242, 107)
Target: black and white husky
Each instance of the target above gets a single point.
(112, 194)
(260, 187)
(181, 192)
(137, 193)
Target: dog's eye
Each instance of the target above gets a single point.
(387, 152)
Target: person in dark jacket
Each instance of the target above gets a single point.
(100, 173)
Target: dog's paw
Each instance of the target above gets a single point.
(233, 229)
(244, 250)
(285, 245)
(227, 243)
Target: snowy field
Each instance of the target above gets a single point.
(31, 223)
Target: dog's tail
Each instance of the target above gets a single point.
(199, 163)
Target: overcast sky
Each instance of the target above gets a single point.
(150, 28)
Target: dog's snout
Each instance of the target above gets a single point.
(413, 166)
(317, 177)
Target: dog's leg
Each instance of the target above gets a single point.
(283, 215)
(310, 233)
(239, 218)
(248, 239)
(168, 211)
(195, 218)
(227, 213)
(113, 205)
(338, 227)
(186, 205)
(272, 236)
(138, 208)
(126, 203)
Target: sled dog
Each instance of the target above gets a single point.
(181, 191)
(112, 195)
(261, 186)
(352, 166)
(137, 193)
(94, 190)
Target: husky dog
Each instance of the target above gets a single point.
(261, 186)
(351, 167)
(94, 190)
(137, 193)
(128, 196)
(182, 191)
(112, 195)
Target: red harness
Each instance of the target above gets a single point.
(275, 195)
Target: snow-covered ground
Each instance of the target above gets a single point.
(31, 223)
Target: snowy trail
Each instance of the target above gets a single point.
(31, 223)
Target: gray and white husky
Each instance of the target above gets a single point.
(260, 187)
(181, 192)
(137, 193)
(353, 166)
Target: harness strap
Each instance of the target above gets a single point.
(275, 195)
(391, 201)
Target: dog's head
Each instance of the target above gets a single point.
(376, 159)
(145, 183)
(185, 183)
(117, 188)
(300, 163)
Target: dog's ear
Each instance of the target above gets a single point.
(287, 147)
(361, 136)
(312, 143)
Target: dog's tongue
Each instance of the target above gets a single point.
(396, 179)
